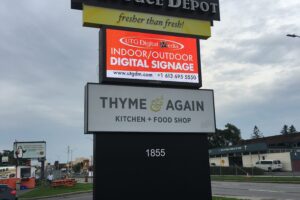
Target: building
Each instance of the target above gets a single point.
(80, 160)
(85, 164)
(285, 148)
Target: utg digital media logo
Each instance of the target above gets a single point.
(151, 43)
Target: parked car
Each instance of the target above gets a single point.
(269, 165)
(6, 193)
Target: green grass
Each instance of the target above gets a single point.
(50, 191)
(262, 179)
(79, 187)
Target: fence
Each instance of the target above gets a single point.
(235, 170)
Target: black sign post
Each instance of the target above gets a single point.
(151, 166)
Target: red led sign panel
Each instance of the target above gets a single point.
(152, 57)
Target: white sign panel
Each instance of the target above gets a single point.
(4, 159)
(111, 108)
(30, 149)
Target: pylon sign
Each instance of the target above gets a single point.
(149, 118)
(36, 149)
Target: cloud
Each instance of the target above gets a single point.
(266, 49)
(252, 66)
(46, 58)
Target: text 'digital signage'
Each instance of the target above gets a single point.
(111, 108)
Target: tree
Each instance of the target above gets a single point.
(292, 129)
(284, 130)
(231, 135)
(256, 133)
(77, 167)
(216, 139)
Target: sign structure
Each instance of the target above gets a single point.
(4, 159)
(207, 10)
(143, 109)
(150, 142)
(96, 16)
(239, 149)
(30, 149)
(150, 57)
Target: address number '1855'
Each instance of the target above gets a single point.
(155, 153)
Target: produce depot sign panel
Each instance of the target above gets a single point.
(207, 10)
(111, 108)
(184, 17)
(152, 57)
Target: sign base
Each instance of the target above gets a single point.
(151, 166)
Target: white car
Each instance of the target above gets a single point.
(269, 165)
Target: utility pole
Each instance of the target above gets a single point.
(68, 157)
(42, 160)
(71, 158)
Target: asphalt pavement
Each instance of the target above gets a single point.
(257, 191)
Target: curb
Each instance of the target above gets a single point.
(239, 197)
(57, 195)
(247, 181)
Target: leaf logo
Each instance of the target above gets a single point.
(156, 104)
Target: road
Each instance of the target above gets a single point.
(259, 191)
(255, 191)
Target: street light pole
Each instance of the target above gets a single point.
(293, 35)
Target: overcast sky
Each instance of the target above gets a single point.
(46, 58)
